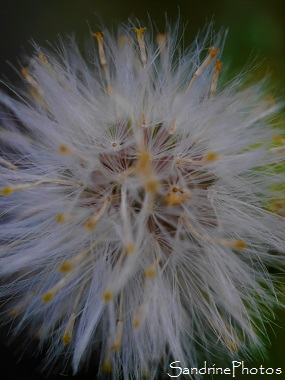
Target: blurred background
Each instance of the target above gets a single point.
(256, 29)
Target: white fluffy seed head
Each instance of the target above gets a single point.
(140, 203)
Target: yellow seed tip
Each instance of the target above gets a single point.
(13, 313)
(211, 157)
(66, 338)
(106, 367)
(64, 149)
(150, 272)
(214, 51)
(144, 162)
(47, 297)
(25, 72)
(116, 347)
(6, 191)
(232, 345)
(152, 185)
(42, 57)
(124, 40)
(136, 323)
(140, 31)
(98, 35)
(144, 157)
(172, 199)
(107, 295)
(60, 218)
(160, 38)
(218, 65)
(90, 224)
(240, 244)
(130, 248)
(66, 266)
(177, 196)
(39, 333)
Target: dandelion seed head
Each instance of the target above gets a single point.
(139, 203)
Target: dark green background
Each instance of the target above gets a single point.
(256, 29)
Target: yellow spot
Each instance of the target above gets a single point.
(144, 158)
(42, 57)
(214, 51)
(130, 248)
(239, 244)
(218, 65)
(90, 224)
(64, 149)
(232, 345)
(66, 338)
(25, 72)
(98, 35)
(277, 206)
(13, 313)
(116, 346)
(278, 138)
(137, 322)
(140, 31)
(48, 296)
(92, 221)
(107, 296)
(124, 40)
(150, 272)
(152, 185)
(177, 196)
(39, 333)
(106, 367)
(61, 218)
(160, 38)
(173, 199)
(211, 157)
(144, 163)
(137, 318)
(66, 266)
(6, 191)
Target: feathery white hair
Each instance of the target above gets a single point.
(139, 203)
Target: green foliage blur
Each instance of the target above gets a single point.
(256, 29)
